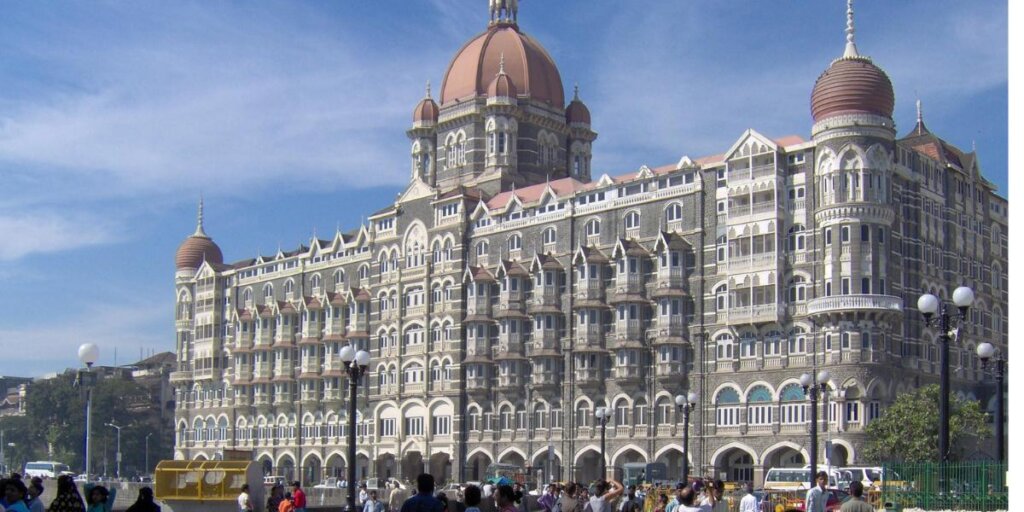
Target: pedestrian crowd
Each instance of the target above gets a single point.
(19, 496)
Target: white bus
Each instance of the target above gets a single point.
(46, 469)
(789, 479)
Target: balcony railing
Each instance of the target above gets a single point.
(751, 262)
(753, 314)
(840, 303)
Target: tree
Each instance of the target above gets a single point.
(908, 431)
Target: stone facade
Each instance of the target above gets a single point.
(506, 294)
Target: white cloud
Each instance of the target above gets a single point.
(53, 346)
(47, 232)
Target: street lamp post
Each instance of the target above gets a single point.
(147, 452)
(602, 414)
(929, 305)
(88, 353)
(986, 352)
(356, 364)
(686, 404)
(118, 427)
(811, 389)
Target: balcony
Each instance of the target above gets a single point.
(478, 384)
(627, 373)
(628, 330)
(545, 339)
(668, 327)
(416, 388)
(589, 376)
(545, 300)
(669, 370)
(243, 373)
(479, 306)
(590, 336)
(510, 301)
(544, 379)
(666, 282)
(753, 262)
(416, 349)
(753, 314)
(261, 371)
(180, 376)
(590, 290)
(855, 303)
(510, 382)
(629, 284)
(478, 347)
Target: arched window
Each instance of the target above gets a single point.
(721, 297)
(640, 412)
(268, 291)
(795, 240)
(515, 242)
(727, 405)
(674, 212)
(481, 248)
(663, 410)
(540, 416)
(723, 347)
(759, 406)
(339, 278)
(792, 406)
(797, 289)
(549, 236)
(632, 220)
(247, 295)
(593, 227)
(797, 343)
(289, 286)
(314, 282)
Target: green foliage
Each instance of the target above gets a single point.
(53, 427)
(908, 430)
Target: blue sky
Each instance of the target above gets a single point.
(290, 117)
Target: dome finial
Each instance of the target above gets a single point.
(920, 118)
(199, 219)
(428, 89)
(576, 91)
(851, 47)
(503, 11)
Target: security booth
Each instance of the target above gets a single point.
(207, 485)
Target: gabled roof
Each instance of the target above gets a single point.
(671, 240)
(478, 274)
(545, 262)
(629, 248)
(530, 196)
(511, 268)
(589, 255)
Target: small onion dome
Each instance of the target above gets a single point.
(577, 112)
(197, 248)
(426, 110)
(502, 86)
(852, 85)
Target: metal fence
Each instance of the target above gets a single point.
(971, 485)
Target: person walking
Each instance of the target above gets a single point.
(14, 495)
(35, 489)
(275, 498)
(298, 497)
(856, 502)
(144, 503)
(99, 498)
(749, 501)
(244, 499)
(68, 499)
(504, 499)
(817, 496)
(569, 501)
(424, 500)
(373, 504)
(471, 497)
(604, 494)
(395, 498)
(548, 500)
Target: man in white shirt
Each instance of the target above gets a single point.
(488, 490)
(244, 501)
(749, 501)
(817, 497)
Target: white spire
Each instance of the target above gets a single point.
(919, 116)
(199, 220)
(428, 89)
(851, 47)
(501, 64)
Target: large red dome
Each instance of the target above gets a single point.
(195, 250)
(852, 85)
(527, 63)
